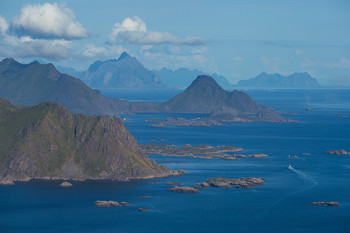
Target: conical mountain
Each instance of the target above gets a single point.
(204, 95)
(126, 72)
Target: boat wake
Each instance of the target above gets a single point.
(311, 181)
(303, 176)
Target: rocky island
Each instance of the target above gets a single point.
(219, 182)
(49, 142)
(200, 151)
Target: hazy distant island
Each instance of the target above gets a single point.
(293, 81)
(34, 83)
(48, 142)
(126, 72)
(183, 77)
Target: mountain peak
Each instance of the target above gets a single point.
(9, 61)
(124, 55)
(204, 81)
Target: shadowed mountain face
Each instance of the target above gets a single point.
(47, 141)
(182, 77)
(295, 80)
(125, 73)
(34, 83)
(204, 95)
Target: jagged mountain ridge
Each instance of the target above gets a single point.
(126, 72)
(34, 83)
(31, 84)
(48, 142)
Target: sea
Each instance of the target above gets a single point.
(282, 204)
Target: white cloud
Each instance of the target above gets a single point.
(134, 31)
(238, 58)
(91, 50)
(29, 47)
(48, 21)
(343, 63)
(298, 52)
(3, 25)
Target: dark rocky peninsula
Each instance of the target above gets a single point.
(49, 142)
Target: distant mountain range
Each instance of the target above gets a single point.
(126, 72)
(34, 83)
(182, 77)
(31, 84)
(293, 81)
(48, 142)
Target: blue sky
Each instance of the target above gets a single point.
(238, 39)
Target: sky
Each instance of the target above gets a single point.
(237, 39)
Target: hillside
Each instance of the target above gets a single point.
(48, 142)
(293, 81)
(126, 72)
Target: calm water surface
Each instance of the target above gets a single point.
(280, 205)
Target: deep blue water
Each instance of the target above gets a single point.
(280, 205)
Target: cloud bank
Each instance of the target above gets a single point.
(134, 31)
(48, 21)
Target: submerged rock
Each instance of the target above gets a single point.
(6, 182)
(145, 196)
(183, 189)
(321, 203)
(66, 184)
(173, 183)
(143, 209)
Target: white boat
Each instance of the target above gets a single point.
(290, 167)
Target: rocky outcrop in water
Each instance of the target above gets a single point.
(110, 203)
(183, 189)
(66, 184)
(321, 203)
(219, 182)
(338, 152)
